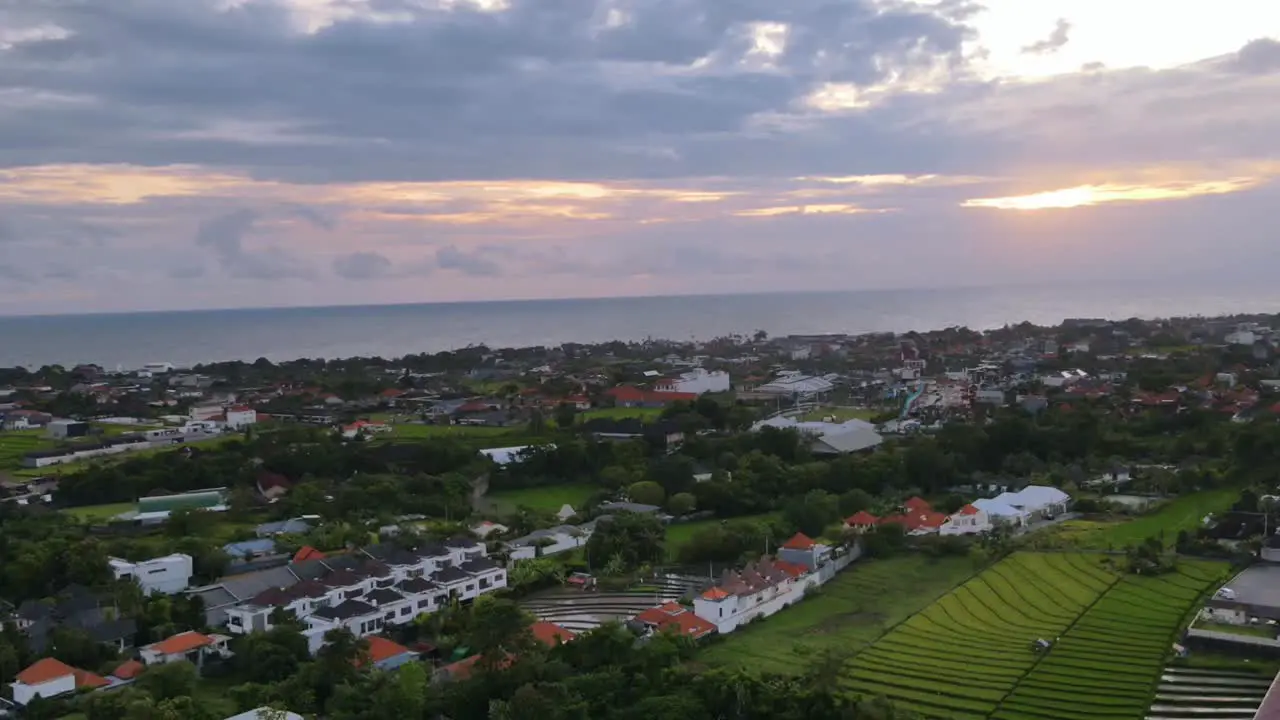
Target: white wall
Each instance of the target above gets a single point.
(23, 694)
(164, 575)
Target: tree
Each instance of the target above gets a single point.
(812, 513)
(646, 492)
(682, 504)
(170, 680)
(498, 628)
(636, 537)
(566, 415)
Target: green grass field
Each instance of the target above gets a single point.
(680, 534)
(615, 413)
(968, 655)
(14, 444)
(852, 610)
(100, 512)
(547, 499)
(414, 430)
(1184, 513)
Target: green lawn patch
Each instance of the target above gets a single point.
(852, 610)
(548, 499)
(99, 513)
(417, 430)
(1183, 513)
(616, 413)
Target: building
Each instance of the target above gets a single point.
(68, 429)
(156, 508)
(759, 590)
(85, 450)
(861, 521)
(628, 396)
(797, 386)
(241, 416)
(549, 541)
(663, 432)
(802, 550)
(828, 438)
(76, 608)
(363, 591)
(49, 678)
(263, 713)
(192, 647)
(673, 617)
(968, 520)
(1038, 500)
(696, 381)
(1001, 513)
(163, 575)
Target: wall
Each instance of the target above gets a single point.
(23, 694)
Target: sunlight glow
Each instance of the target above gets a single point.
(1085, 195)
(827, 209)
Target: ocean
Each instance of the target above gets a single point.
(129, 340)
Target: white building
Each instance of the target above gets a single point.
(1037, 500)
(240, 416)
(698, 381)
(1242, 337)
(550, 541)
(164, 575)
(761, 589)
(795, 384)
(45, 678)
(263, 713)
(1063, 378)
(206, 412)
(365, 594)
(999, 512)
(968, 520)
(189, 646)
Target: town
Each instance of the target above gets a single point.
(1029, 522)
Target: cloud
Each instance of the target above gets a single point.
(473, 262)
(314, 217)
(1057, 39)
(1258, 57)
(362, 266)
(13, 273)
(224, 236)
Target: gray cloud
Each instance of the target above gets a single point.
(315, 217)
(543, 88)
(474, 262)
(186, 272)
(1258, 57)
(224, 236)
(362, 266)
(1057, 39)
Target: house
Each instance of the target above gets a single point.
(829, 438)
(968, 520)
(164, 575)
(273, 486)
(240, 416)
(1001, 513)
(674, 617)
(695, 382)
(550, 634)
(292, 526)
(548, 541)
(760, 589)
(364, 428)
(1037, 500)
(629, 396)
(246, 550)
(364, 591)
(485, 528)
(662, 432)
(157, 507)
(917, 518)
(387, 655)
(189, 646)
(49, 678)
(78, 608)
(861, 521)
(804, 551)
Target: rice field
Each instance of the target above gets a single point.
(969, 655)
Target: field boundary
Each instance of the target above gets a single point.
(1043, 656)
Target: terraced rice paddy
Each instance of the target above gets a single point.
(969, 654)
(1205, 694)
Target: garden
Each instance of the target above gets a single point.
(971, 654)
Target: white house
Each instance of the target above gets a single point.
(968, 520)
(550, 541)
(1037, 500)
(761, 589)
(50, 678)
(1242, 337)
(698, 381)
(192, 647)
(999, 512)
(206, 412)
(165, 575)
(389, 586)
(240, 416)
(263, 713)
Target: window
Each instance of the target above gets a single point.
(389, 616)
(470, 587)
(405, 610)
(157, 571)
(424, 604)
(484, 584)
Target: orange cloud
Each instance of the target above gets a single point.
(1086, 195)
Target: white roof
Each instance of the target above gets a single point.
(816, 427)
(262, 713)
(796, 384)
(506, 455)
(993, 506)
(1034, 497)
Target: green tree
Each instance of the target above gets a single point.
(646, 492)
(170, 680)
(682, 504)
(637, 538)
(566, 415)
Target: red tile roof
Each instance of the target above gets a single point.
(181, 643)
(381, 648)
(550, 634)
(918, 504)
(630, 393)
(968, 510)
(715, 594)
(661, 614)
(861, 518)
(306, 552)
(128, 670)
(86, 679)
(44, 670)
(799, 541)
(790, 568)
(673, 615)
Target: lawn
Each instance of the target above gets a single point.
(850, 612)
(681, 534)
(968, 654)
(99, 513)
(1184, 513)
(548, 499)
(14, 444)
(616, 413)
(418, 430)
(841, 414)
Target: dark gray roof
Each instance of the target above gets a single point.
(448, 575)
(346, 610)
(462, 542)
(247, 585)
(416, 586)
(113, 630)
(382, 596)
(478, 565)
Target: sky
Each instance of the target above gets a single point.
(246, 153)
